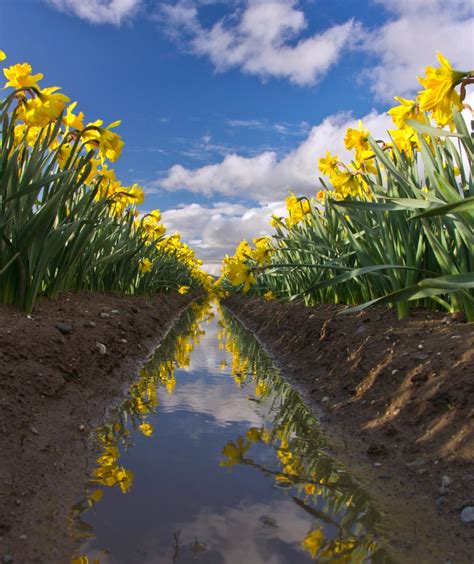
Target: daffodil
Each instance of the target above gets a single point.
(310, 489)
(406, 110)
(19, 76)
(146, 429)
(145, 265)
(313, 542)
(357, 140)
(234, 452)
(3, 55)
(239, 273)
(297, 210)
(109, 143)
(439, 94)
(262, 252)
(328, 164)
(269, 295)
(72, 120)
(254, 434)
(183, 290)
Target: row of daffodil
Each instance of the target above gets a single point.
(67, 222)
(395, 226)
(312, 479)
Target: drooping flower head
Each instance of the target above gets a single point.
(439, 94)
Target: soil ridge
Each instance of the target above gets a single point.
(62, 368)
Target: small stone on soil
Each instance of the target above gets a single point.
(446, 481)
(64, 328)
(90, 324)
(104, 315)
(467, 514)
(101, 348)
(417, 462)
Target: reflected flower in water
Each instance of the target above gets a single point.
(146, 429)
(313, 541)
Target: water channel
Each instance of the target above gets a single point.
(214, 458)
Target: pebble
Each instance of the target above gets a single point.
(34, 430)
(422, 356)
(23, 537)
(104, 315)
(420, 347)
(64, 328)
(101, 348)
(468, 477)
(467, 514)
(8, 558)
(90, 324)
(446, 481)
(377, 465)
(123, 341)
(417, 462)
(441, 500)
(325, 399)
(115, 312)
(81, 427)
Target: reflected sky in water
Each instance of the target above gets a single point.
(213, 458)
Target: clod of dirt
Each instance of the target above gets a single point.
(377, 449)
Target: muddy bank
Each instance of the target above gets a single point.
(60, 369)
(396, 397)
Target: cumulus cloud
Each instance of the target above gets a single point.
(264, 39)
(408, 41)
(99, 11)
(215, 230)
(267, 178)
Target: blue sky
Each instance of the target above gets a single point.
(226, 106)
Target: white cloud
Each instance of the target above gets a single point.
(264, 39)
(265, 177)
(215, 230)
(99, 11)
(408, 42)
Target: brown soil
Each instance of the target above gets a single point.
(54, 389)
(397, 402)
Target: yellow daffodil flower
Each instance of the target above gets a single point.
(145, 265)
(146, 429)
(19, 76)
(439, 94)
(328, 164)
(72, 120)
(313, 542)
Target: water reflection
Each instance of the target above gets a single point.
(227, 464)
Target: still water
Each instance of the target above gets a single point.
(214, 458)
